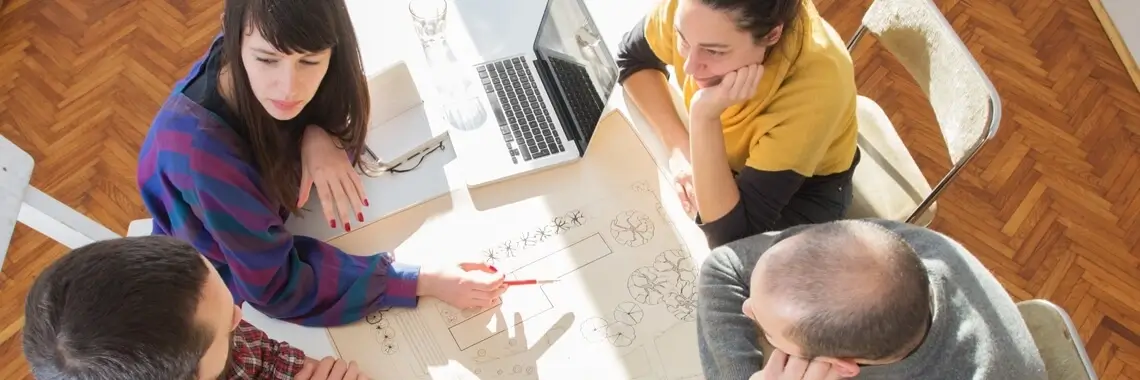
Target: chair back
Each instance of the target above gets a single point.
(965, 103)
(1057, 340)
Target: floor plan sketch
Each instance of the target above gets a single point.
(623, 307)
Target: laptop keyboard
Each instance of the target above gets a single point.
(524, 121)
(585, 103)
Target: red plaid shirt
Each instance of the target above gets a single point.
(256, 356)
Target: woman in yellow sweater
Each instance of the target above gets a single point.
(770, 92)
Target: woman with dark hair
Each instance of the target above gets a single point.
(770, 140)
(280, 100)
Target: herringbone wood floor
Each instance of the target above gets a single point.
(1052, 206)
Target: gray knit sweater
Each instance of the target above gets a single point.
(977, 331)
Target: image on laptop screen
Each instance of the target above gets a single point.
(578, 60)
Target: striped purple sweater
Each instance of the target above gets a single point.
(201, 187)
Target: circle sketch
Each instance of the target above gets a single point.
(374, 318)
(383, 324)
(389, 347)
(629, 313)
(632, 228)
(385, 334)
(529, 369)
(482, 352)
(620, 334)
(517, 368)
(648, 286)
(594, 329)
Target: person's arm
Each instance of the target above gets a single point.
(728, 207)
(805, 120)
(295, 278)
(727, 340)
(644, 77)
(255, 355)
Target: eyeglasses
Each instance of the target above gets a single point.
(374, 167)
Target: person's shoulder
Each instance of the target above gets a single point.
(819, 56)
(184, 129)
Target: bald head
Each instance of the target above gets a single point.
(852, 289)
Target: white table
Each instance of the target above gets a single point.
(388, 40)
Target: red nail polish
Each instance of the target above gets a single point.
(347, 228)
(493, 270)
(360, 217)
(365, 202)
(332, 223)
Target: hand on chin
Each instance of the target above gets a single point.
(735, 87)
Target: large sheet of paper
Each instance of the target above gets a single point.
(624, 306)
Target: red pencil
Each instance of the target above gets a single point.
(528, 282)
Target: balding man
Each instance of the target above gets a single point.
(865, 299)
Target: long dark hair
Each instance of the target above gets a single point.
(341, 103)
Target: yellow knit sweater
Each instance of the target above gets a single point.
(803, 115)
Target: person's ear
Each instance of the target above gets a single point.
(774, 35)
(237, 317)
(845, 368)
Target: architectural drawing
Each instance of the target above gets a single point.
(596, 250)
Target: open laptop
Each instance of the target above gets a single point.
(545, 100)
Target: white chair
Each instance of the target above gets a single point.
(23, 203)
(888, 183)
(1057, 340)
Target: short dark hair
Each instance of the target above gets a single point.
(759, 17)
(118, 309)
(864, 291)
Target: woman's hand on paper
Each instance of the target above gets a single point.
(326, 166)
(682, 172)
(465, 285)
(329, 368)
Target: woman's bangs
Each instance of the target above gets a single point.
(294, 26)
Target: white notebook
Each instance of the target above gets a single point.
(403, 130)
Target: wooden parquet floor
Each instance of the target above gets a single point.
(1052, 206)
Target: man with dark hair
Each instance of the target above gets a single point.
(151, 308)
(865, 299)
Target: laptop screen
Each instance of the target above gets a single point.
(570, 43)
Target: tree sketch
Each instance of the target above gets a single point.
(629, 313)
(632, 228)
(594, 329)
(575, 218)
(647, 286)
(682, 302)
(620, 334)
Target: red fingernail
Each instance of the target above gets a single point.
(360, 217)
(493, 270)
(365, 202)
(332, 223)
(347, 228)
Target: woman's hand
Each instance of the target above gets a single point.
(737, 86)
(682, 172)
(326, 166)
(464, 286)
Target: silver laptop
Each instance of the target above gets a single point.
(546, 99)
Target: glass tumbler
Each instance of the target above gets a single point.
(429, 19)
